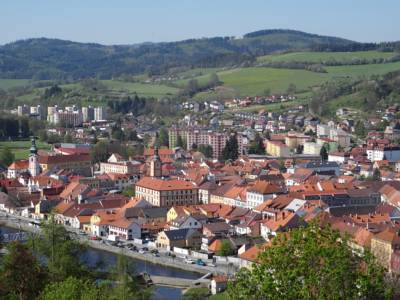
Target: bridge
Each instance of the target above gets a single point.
(179, 282)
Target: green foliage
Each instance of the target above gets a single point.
(58, 59)
(163, 138)
(231, 149)
(323, 153)
(196, 294)
(360, 129)
(311, 263)
(376, 176)
(207, 150)
(180, 142)
(257, 145)
(21, 275)
(129, 191)
(103, 149)
(73, 288)
(62, 252)
(226, 249)
(6, 156)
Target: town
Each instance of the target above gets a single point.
(217, 194)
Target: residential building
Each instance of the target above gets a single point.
(167, 192)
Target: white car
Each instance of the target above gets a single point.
(141, 251)
(189, 261)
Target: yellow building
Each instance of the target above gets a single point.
(276, 148)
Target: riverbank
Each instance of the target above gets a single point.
(165, 261)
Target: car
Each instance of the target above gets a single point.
(142, 251)
(134, 248)
(199, 262)
(145, 249)
(211, 265)
(189, 261)
(81, 232)
(154, 251)
(95, 238)
(156, 254)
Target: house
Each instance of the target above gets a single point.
(17, 168)
(124, 228)
(219, 284)
(182, 238)
(383, 244)
(281, 222)
(185, 221)
(260, 191)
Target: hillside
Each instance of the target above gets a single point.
(59, 59)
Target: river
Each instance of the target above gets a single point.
(93, 256)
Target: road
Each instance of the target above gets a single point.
(164, 257)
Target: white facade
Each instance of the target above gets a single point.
(391, 154)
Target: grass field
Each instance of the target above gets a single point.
(10, 83)
(21, 148)
(142, 89)
(254, 81)
(318, 57)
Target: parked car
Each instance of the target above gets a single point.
(142, 251)
(199, 262)
(81, 232)
(189, 261)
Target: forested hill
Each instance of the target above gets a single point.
(59, 59)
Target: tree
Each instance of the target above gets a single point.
(291, 88)
(267, 92)
(257, 145)
(231, 149)
(207, 150)
(163, 138)
(214, 80)
(376, 176)
(196, 294)
(311, 263)
(226, 249)
(73, 288)
(179, 142)
(21, 275)
(323, 153)
(359, 129)
(62, 252)
(6, 156)
(129, 191)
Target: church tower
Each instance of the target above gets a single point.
(155, 165)
(34, 167)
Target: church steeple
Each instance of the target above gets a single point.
(34, 167)
(155, 164)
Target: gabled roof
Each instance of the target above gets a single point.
(179, 234)
(19, 165)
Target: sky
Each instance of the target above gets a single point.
(136, 21)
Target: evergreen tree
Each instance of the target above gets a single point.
(231, 149)
(163, 138)
(179, 142)
(376, 176)
(257, 145)
(323, 153)
(207, 150)
(6, 156)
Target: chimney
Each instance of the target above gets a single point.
(275, 217)
(283, 215)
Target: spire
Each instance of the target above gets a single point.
(33, 149)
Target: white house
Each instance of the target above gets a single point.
(125, 229)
